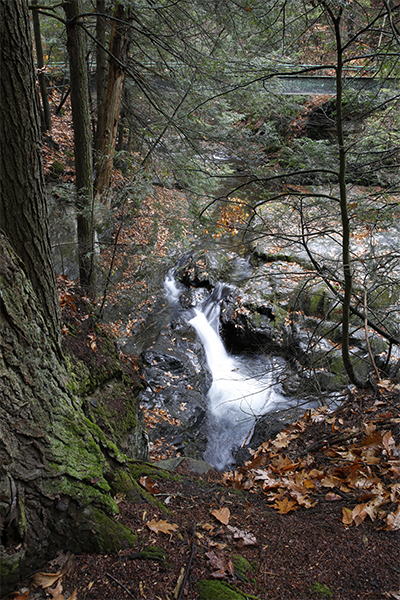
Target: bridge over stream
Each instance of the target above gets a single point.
(317, 80)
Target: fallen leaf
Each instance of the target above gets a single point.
(220, 562)
(222, 515)
(149, 485)
(56, 593)
(332, 497)
(388, 443)
(282, 440)
(393, 520)
(347, 517)
(45, 580)
(359, 513)
(162, 526)
(22, 594)
(284, 506)
(246, 538)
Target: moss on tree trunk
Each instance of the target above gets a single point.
(57, 466)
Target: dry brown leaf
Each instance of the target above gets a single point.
(282, 440)
(284, 506)
(332, 497)
(347, 517)
(162, 526)
(331, 481)
(56, 593)
(22, 594)
(222, 515)
(45, 580)
(388, 443)
(149, 485)
(246, 538)
(220, 562)
(359, 513)
(393, 520)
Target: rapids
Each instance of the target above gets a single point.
(240, 391)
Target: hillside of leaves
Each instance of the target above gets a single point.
(314, 514)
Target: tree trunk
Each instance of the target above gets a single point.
(107, 129)
(40, 64)
(56, 466)
(347, 275)
(23, 208)
(101, 64)
(83, 145)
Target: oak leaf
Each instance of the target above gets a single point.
(162, 526)
(246, 538)
(284, 506)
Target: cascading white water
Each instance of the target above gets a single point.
(236, 398)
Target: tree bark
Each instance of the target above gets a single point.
(41, 75)
(101, 64)
(83, 145)
(23, 208)
(347, 274)
(55, 464)
(107, 130)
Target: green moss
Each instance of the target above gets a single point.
(84, 493)
(56, 169)
(322, 591)
(111, 535)
(241, 566)
(153, 553)
(79, 376)
(280, 316)
(218, 590)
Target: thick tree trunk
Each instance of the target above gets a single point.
(83, 145)
(54, 462)
(23, 209)
(107, 129)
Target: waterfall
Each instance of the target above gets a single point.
(237, 395)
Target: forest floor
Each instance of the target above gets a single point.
(322, 533)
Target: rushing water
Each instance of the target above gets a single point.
(238, 395)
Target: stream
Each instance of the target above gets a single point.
(242, 390)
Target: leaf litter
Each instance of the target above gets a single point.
(319, 503)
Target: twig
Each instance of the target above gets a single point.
(330, 439)
(121, 584)
(189, 564)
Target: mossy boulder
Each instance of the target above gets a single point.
(242, 567)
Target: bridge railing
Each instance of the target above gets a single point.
(350, 71)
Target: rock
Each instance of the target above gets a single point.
(195, 466)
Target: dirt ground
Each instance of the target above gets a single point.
(203, 528)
